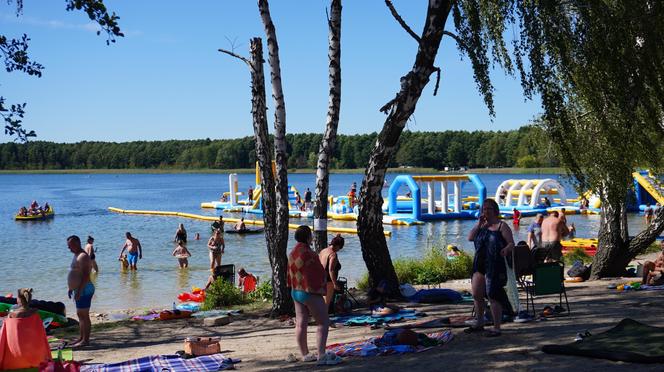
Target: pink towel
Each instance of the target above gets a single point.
(23, 343)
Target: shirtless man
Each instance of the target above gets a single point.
(134, 251)
(80, 288)
(652, 271)
(554, 229)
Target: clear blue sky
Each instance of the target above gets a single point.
(166, 80)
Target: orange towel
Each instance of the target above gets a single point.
(23, 343)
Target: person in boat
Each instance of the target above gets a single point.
(23, 212)
(182, 254)
(240, 226)
(33, 207)
(246, 281)
(90, 250)
(216, 245)
(81, 288)
(180, 234)
(330, 261)
(134, 251)
(23, 343)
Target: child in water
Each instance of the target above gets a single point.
(182, 253)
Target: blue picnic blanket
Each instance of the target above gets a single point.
(436, 296)
(373, 346)
(368, 319)
(172, 363)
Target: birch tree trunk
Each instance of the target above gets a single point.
(331, 125)
(370, 219)
(281, 300)
(280, 239)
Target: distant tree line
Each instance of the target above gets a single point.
(526, 147)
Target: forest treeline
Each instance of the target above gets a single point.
(525, 147)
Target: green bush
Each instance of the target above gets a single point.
(578, 254)
(528, 161)
(655, 247)
(433, 268)
(222, 293)
(263, 292)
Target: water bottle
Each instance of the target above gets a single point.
(174, 307)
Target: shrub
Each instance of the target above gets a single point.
(263, 292)
(222, 293)
(578, 254)
(433, 268)
(528, 161)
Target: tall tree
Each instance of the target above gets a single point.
(330, 137)
(370, 218)
(14, 53)
(281, 301)
(283, 305)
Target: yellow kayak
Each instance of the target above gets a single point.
(36, 217)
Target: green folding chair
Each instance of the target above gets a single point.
(548, 279)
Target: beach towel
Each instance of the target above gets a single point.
(628, 341)
(23, 343)
(171, 363)
(369, 347)
(365, 319)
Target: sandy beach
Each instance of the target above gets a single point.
(262, 343)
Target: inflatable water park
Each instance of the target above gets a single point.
(416, 199)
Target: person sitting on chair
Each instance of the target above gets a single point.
(653, 271)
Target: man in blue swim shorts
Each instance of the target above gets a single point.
(80, 288)
(134, 251)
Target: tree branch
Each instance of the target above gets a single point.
(435, 89)
(456, 38)
(403, 24)
(243, 59)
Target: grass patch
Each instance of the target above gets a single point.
(655, 247)
(578, 254)
(433, 268)
(263, 292)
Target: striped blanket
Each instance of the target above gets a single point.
(171, 363)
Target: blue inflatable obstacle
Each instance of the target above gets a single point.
(450, 204)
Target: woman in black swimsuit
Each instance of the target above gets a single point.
(180, 235)
(90, 250)
(330, 261)
(493, 241)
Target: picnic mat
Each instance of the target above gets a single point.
(171, 363)
(368, 319)
(629, 341)
(370, 347)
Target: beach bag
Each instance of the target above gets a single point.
(58, 365)
(199, 346)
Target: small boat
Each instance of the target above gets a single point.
(36, 217)
(257, 230)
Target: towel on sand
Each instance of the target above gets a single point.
(370, 347)
(172, 363)
(365, 319)
(23, 343)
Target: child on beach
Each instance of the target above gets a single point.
(182, 253)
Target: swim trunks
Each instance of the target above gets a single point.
(85, 300)
(132, 258)
(299, 296)
(554, 250)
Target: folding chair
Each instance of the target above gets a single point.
(548, 279)
(227, 272)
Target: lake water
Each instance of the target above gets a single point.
(36, 253)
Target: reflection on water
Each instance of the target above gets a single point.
(40, 257)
